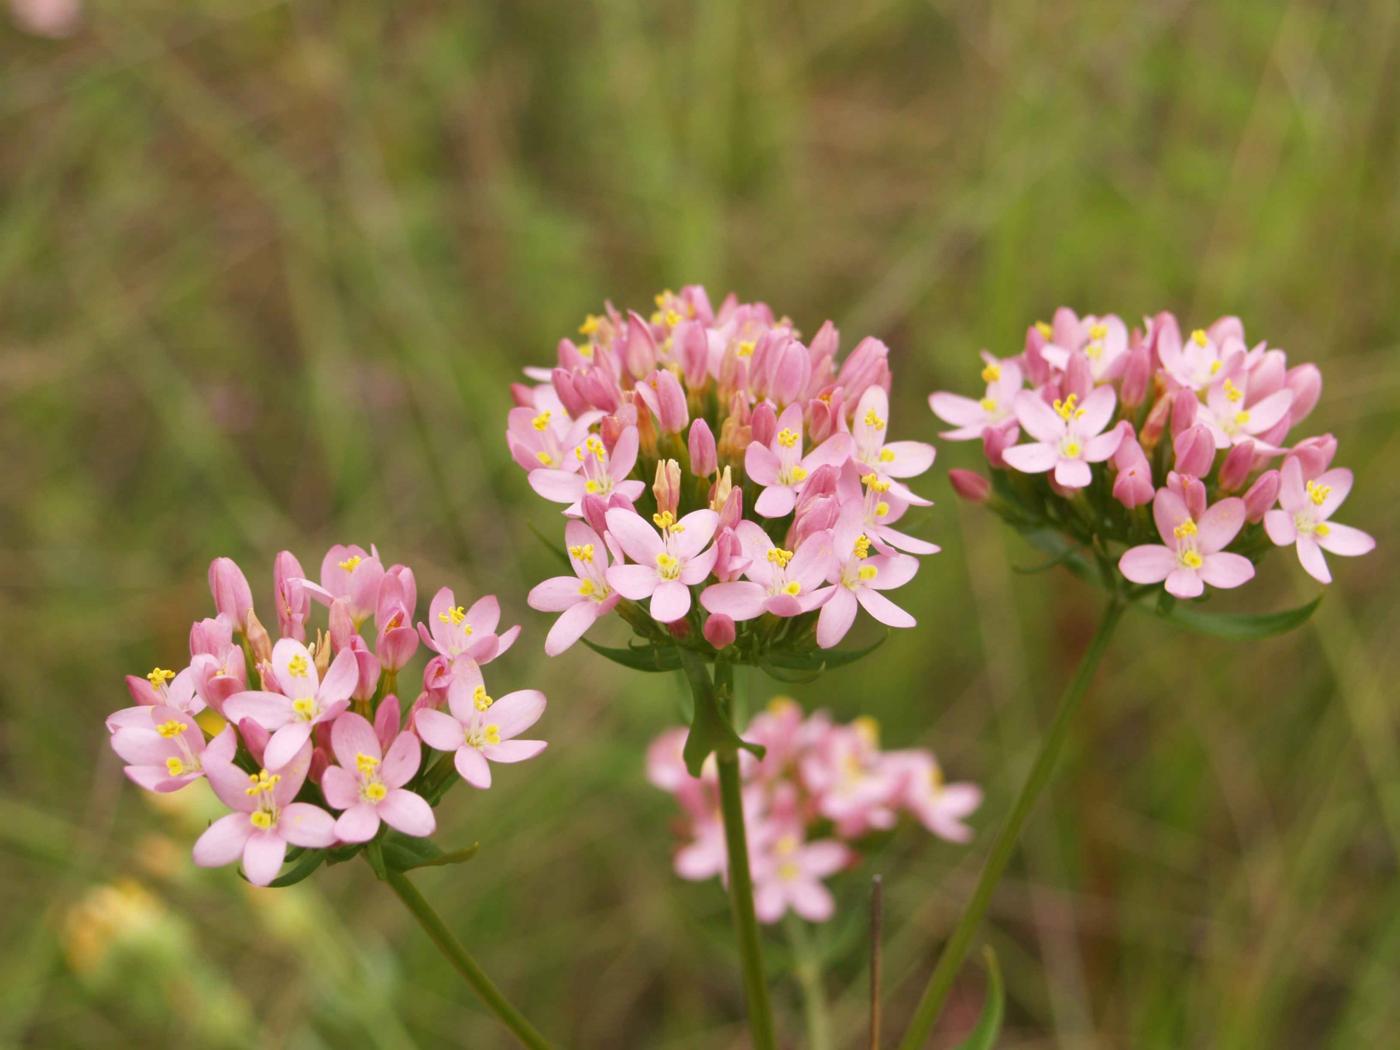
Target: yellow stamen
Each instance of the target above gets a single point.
(1233, 392)
(1072, 449)
(590, 324)
(1192, 559)
(583, 552)
(174, 767)
(374, 791)
(1186, 528)
(1318, 493)
(668, 565)
(545, 458)
(1098, 331)
(159, 677)
(262, 782)
(1321, 529)
(482, 699)
(171, 728)
(261, 819)
(305, 708)
(1044, 329)
(665, 521)
(797, 473)
(779, 557)
(299, 666)
(456, 617)
(887, 455)
(991, 373)
(868, 573)
(1241, 419)
(541, 421)
(350, 563)
(1199, 337)
(366, 764)
(862, 546)
(746, 348)
(793, 588)
(882, 509)
(591, 487)
(873, 420)
(1068, 408)
(787, 438)
(988, 404)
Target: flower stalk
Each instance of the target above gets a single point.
(956, 948)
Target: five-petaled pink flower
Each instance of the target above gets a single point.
(1192, 554)
(581, 599)
(306, 700)
(470, 634)
(164, 747)
(265, 819)
(781, 582)
(353, 574)
(890, 460)
(1068, 436)
(782, 469)
(1232, 417)
(1304, 521)
(997, 407)
(858, 578)
(369, 784)
(788, 874)
(596, 472)
(668, 563)
(481, 730)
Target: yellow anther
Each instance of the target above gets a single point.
(594, 445)
(793, 588)
(868, 729)
(745, 348)
(482, 699)
(988, 404)
(159, 676)
(1318, 493)
(873, 420)
(299, 666)
(1192, 559)
(1068, 408)
(672, 319)
(882, 509)
(591, 487)
(868, 573)
(590, 324)
(1186, 528)
(664, 520)
(1098, 331)
(668, 565)
(541, 421)
(305, 708)
(1072, 449)
(887, 455)
(1044, 329)
(1233, 392)
(787, 438)
(779, 557)
(582, 551)
(660, 298)
(545, 458)
(366, 764)
(374, 791)
(797, 473)
(586, 351)
(935, 778)
(1321, 529)
(655, 317)
(1216, 366)
(174, 767)
(262, 782)
(862, 546)
(1199, 337)
(171, 728)
(991, 373)
(1241, 419)
(454, 616)
(586, 588)
(260, 819)
(788, 871)
(786, 845)
(350, 563)
(1094, 351)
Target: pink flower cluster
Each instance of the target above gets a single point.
(820, 789)
(1202, 427)
(710, 460)
(285, 731)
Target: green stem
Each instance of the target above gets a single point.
(463, 963)
(955, 950)
(809, 979)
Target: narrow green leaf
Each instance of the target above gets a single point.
(1238, 626)
(710, 730)
(640, 658)
(308, 862)
(815, 659)
(984, 1035)
(374, 853)
(456, 856)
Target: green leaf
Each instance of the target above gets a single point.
(1062, 552)
(405, 852)
(640, 657)
(815, 660)
(374, 853)
(1238, 626)
(710, 730)
(984, 1035)
(308, 862)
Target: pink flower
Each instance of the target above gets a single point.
(1132, 486)
(598, 473)
(265, 819)
(1305, 521)
(1231, 417)
(668, 563)
(465, 634)
(939, 806)
(481, 730)
(1201, 360)
(544, 438)
(854, 788)
(351, 573)
(970, 417)
(232, 596)
(1192, 553)
(781, 582)
(1104, 342)
(305, 700)
(369, 785)
(291, 597)
(1068, 436)
(888, 459)
(166, 688)
(165, 748)
(781, 468)
(582, 599)
(859, 577)
(788, 874)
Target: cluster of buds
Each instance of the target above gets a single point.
(286, 732)
(1201, 428)
(818, 792)
(734, 478)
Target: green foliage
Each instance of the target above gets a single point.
(984, 1034)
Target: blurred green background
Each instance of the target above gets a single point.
(266, 270)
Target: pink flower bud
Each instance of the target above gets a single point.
(522, 394)
(763, 423)
(594, 510)
(368, 667)
(671, 412)
(255, 738)
(1266, 375)
(342, 624)
(1191, 490)
(1079, 377)
(692, 348)
(970, 485)
(293, 600)
(1195, 451)
(1163, 330)
(790, 367)
(396, 647)
(719, 630)
(258, 639)
(1314, 454)
(729, 556)
(996, 440)
(598, 389)
(731, 505)
(232, 597)
(1239, 461)
(1133, 485)
(639, 351)
(824, 414)
(1306, 383)
(667, 486)
(823, 350)
(1259, 500)
(610, 428)
(1137, 374)
(1226, 328)
(814, 516)
(867, 366)
(703, 455)
(568, 392)
(386, 721)
(1184, 408)
(210, 635)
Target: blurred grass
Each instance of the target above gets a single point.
(265, 271)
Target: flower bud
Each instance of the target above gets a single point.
(824, 414)
(1226, 328)
(232, 597)
(210, 635)
(368, 667)
(996, 440)
(1195, 451)
(1239, 461)
(342, 624)
(703, 454)
(522, 395)
(1306, 383)
(1163, 331)
(729, 556)
(598, 389)
(1079, 376)
(823, 352)
(1259, 500)
(791, 368)
(258, 640)
(255, 737)
(1314, 454)
(1132, 486)
(386, 721)
(1191, 490)
(970, 485)
(867, 366)
(719, 630)
(573, 400)
(1137, 374)
(692, 349)
(671, 411)
(291, 597)
(667, 486)
(639, 351)
(731, 507)
(763, 423)
(1184, 408)
(595, 509)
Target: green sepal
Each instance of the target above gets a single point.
(304, 865)
(1237, 626)
(651, 658)
(984, 1035)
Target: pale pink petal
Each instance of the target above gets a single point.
(834, 451)
(438, 729)
(341, 787)
(911, 458)
(402, 761)
(670, 601)
(884, 610)
(406, 812)
(472, 766)
(1265, 413)
(958, 410)
(222, 842)
(1339, 481)
(516, 712)
(698, 567)
(513, 750)
(624, 454)
(1031, 459)
(341, 679)
(1220, 524)
(570, 627)
(836, 617)
(352, 736)
(892, 571)
(555, 594)
(358, 823)
(1149, 563)
(285, 743)
(286, 652)
(1280, 527)
(1185, 583)
(637, 539)
(262, 857)
(1292, 496)
(1346, 541)
(1226, 570)
(269, 710)
(1039, 420)
(769, 902)
(1097, 449)
(1071, 473)
(696, 529)
(1168, 511)
(303, 824)
(1098, 410)
(1312, 560)
(229, 783)
(761, 464)
(776, 501)
(557, 486)
(812, 901)
(824, 858)
(484, 614)
(738, 600)
(633, 581)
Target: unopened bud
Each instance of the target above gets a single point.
(667, 486)
(971, 486)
